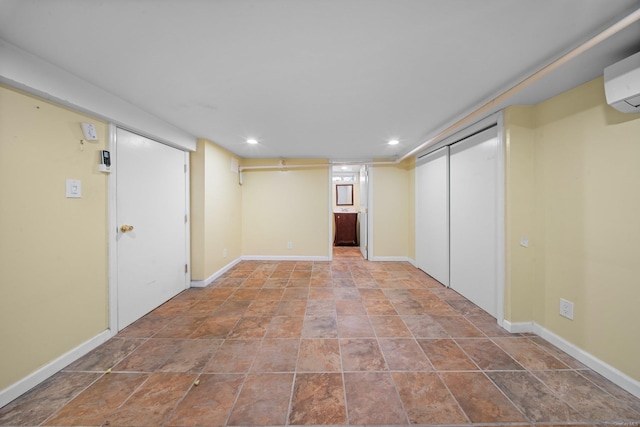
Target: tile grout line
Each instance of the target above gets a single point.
(578, 371)
(342, 371)
(198, 375)
(377, 339)
(244, 381)
(71, 399)
(295, 368)
(438, 373)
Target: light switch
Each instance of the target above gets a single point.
(524, 242)
(74, 188)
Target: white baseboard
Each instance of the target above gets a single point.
(518, 327)
(612, 374)
(214, 276)
(284, 258)
(24, 385)
(391, 258)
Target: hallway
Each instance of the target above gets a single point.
(347, 342)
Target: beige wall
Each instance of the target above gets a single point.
(216, 204)
(53, 250)
(410, 166)
(392, 222)
(281, 206)
(521, 297)
(579, 200)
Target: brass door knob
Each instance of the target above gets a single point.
(126, 228)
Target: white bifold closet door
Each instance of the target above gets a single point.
(432, 214)
(473, 200)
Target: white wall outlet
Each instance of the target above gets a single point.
(566, 308)
(289, 245)
(224, 253)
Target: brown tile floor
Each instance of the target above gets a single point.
(347, 342)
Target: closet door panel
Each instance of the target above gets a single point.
(432, 214)
(473, 219)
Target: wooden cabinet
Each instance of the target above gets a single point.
(346, 229)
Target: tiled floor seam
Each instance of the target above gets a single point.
(420, 347)
(175, 407)
(53, 414)
(344, 383)
(250, 368)
(395, 386)
(637, 411)
(291, 393)
(195, 384)
(505, 395)
(127, 399)
(559, 397)
(453, 396)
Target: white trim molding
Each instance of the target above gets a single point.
(612, 374)
(518, 327)
(214, 276)
(27, 383)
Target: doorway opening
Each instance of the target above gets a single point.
(349, 195)
(346, 253)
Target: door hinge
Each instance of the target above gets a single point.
(185, 168)
(186, 268)
(185, 219)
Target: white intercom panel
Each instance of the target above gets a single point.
(89, 131)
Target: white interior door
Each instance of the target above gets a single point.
(474, 219)
(364, 211)
(432, 214)
(151, 198)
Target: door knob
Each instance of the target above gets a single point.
(126, 228)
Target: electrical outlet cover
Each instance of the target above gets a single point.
(566, 308)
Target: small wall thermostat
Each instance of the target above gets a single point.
(105, 161)
(89, 131)
(105, 158)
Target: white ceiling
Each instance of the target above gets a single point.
(317, 78)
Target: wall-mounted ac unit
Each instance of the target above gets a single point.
(622, 84)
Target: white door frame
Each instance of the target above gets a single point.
(330, 207)
(112, 233)
(363, 176)
(370, 213)
(113, 227)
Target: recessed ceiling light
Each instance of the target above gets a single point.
(394, 142)
(252, 141)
